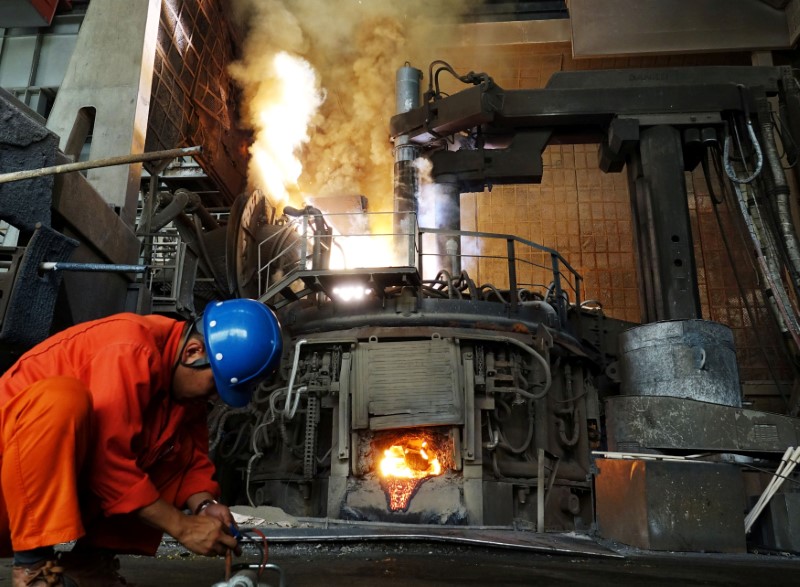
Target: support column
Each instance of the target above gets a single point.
(662, 228)
(111, 71)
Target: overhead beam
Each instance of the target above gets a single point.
(606, 28)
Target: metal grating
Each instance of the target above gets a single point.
(193, 97)
(406, 384)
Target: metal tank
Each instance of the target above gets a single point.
(690, 359)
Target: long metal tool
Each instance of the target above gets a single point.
(790, 459)
(92, 267)
(109, 162)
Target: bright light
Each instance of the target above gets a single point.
(350, 293)
(286, 106)
(409, 462)
(404, 466)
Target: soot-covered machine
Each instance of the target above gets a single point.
(410, 392)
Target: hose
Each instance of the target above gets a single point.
(287, 411)
(759, 155)
(779, 295)
(778, 188)
(542, 361)
(728, 164)
(505, 444)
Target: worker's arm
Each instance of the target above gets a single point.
(206, 535)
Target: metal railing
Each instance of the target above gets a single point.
(354, 242)
(514, 269)
(505, 262)
(165, 253)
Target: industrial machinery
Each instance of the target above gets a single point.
(410, 392)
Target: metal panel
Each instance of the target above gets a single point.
(405, 384)
(779, 524)
(637, 422)
(498, 503)
(517, 32)
(16, 61)
(27, 13)
(647, 27)
(693, 359)
(80, 207)
(671, 506)
(344, 408)
(54, 59)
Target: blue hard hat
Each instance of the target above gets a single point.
(243, 343)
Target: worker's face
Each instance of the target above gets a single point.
(193, 384)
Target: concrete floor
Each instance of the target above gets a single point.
(429, 564)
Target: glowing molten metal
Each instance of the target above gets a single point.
(404, 467)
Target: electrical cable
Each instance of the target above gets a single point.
(754, 140)
(785, 144)
(737, 277)
(492, 290)
(265, 550)
(773, 473)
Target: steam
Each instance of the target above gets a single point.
(434, 211)
(332, 121)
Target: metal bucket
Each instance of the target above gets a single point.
(692, 359)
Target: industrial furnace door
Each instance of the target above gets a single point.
(407, 384)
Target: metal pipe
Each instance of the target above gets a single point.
(91, 267)
(176, 205)
(195, 206)
(517, 469)
(109, 162)
(406, 180)
(542, 361)
(288, 410)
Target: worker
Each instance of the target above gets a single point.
(103, 439)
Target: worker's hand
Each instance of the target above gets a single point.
(220, 512)
(206, 535)
(223, 514)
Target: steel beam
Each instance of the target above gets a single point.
(665, 254)
(602, 28)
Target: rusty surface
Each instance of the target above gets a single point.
(671, 506)
(193, 97)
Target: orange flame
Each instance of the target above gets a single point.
(404, 467)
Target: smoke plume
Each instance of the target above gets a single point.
(332, 126)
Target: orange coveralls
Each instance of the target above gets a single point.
(89, 434)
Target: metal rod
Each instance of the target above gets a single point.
(92, 267)
(540, 492)
(512, 274)
(109, 162)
